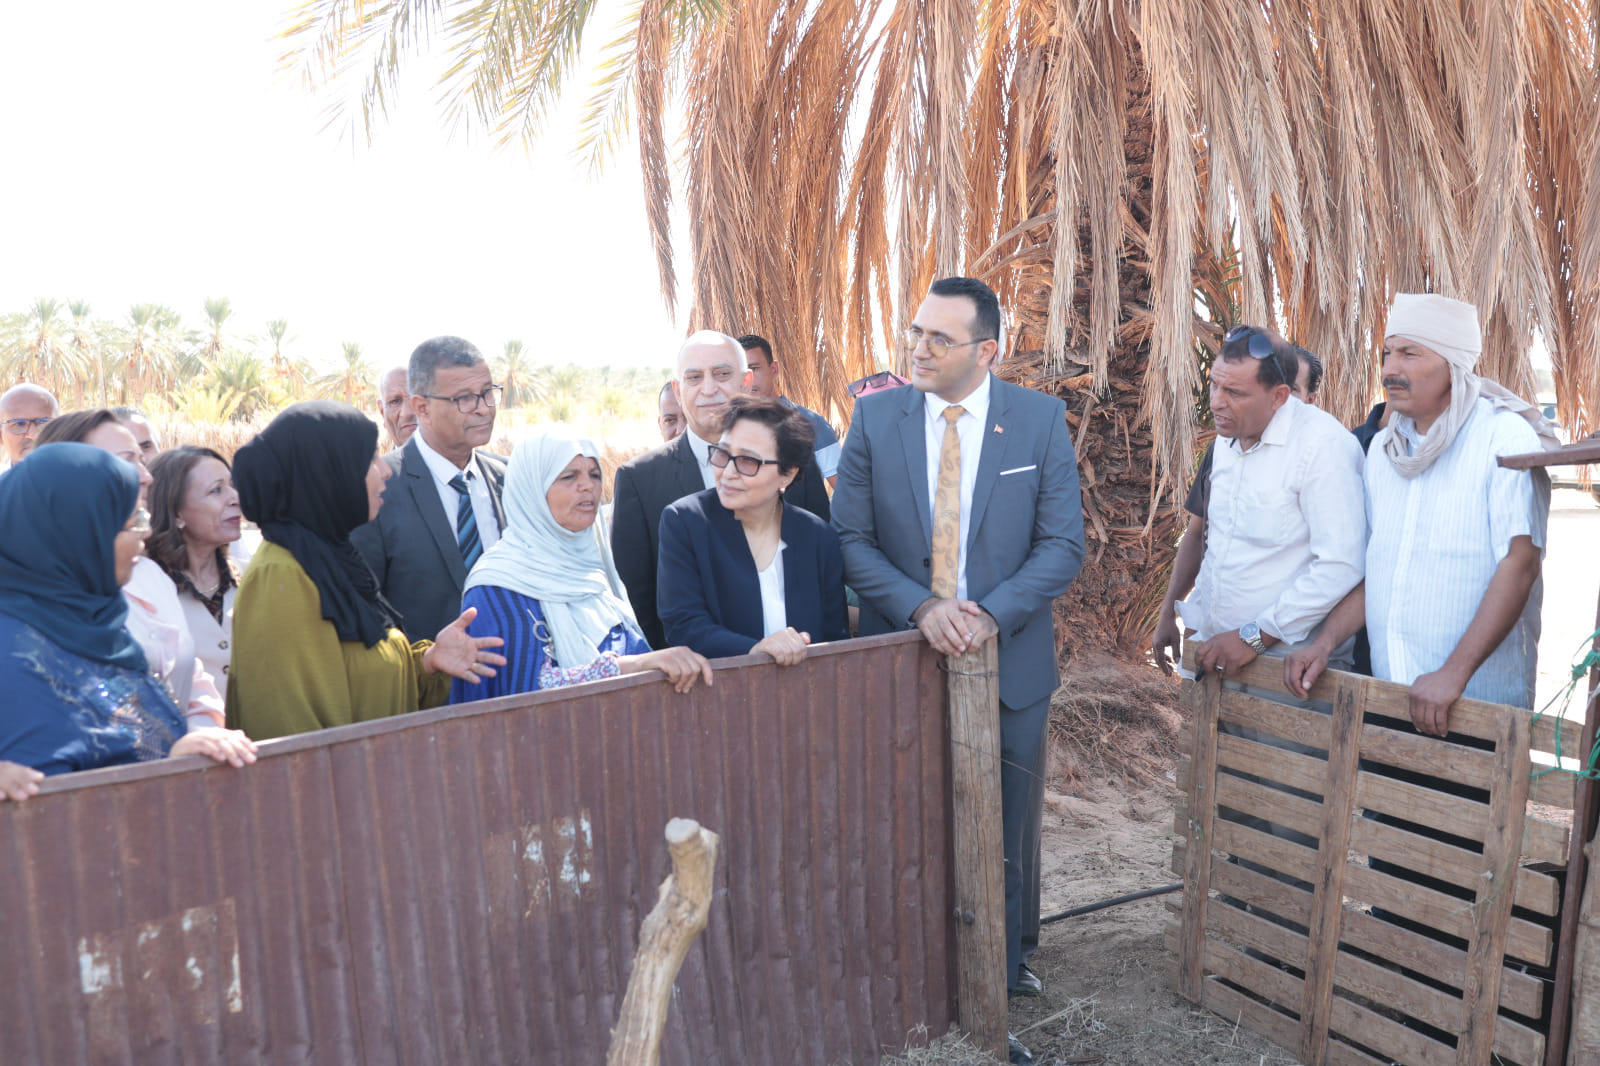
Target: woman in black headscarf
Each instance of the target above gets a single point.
(315, 642)
(78, 692)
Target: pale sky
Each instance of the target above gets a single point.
(155, 153)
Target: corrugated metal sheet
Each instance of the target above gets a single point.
(466, 885)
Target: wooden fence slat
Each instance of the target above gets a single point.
(1298, 724)
(1472, 718)
(1204, 700)
(1492, 912)
(1327, 901)
(1389, 1037)
(1519, 991)
(1272, 1025)
(1448, 914)
(1538, 892)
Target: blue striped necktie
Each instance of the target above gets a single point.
(466, 524)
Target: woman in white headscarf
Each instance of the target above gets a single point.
(549, 587)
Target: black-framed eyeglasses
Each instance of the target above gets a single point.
(883, 379)
(22, 427)
(1259, 346)
(747, 465)
(468, 402)
(937, 345)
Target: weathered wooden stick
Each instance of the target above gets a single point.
(974, 702)
(664, 938)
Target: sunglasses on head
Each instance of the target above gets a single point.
(883, 379)
(1258, 345)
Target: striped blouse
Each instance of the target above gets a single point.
(530, 662)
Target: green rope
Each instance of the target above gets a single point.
(1585, 658)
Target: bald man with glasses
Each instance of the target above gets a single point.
(24, 410)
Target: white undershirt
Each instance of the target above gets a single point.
(773, 616)
(702, 456)
(443, 470)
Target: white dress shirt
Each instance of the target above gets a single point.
(702, 456)
(443, 470)
(1437, 540)
(969, 430)
(774, 616)
(1286, 528)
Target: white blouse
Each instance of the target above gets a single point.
(773, 617)
(156, 620)
(213, 640)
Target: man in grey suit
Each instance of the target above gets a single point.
(441, 509)
(958, 508)
(711, 371)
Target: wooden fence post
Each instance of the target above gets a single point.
(677, 918)
(973, 689)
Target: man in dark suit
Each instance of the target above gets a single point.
(959, 514)
(711, 371)
(441, 509)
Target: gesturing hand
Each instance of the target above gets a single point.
(456, 653)
(223, 745)
(787, 646)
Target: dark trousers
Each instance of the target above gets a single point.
(1023, 733)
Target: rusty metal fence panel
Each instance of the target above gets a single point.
(466, 885)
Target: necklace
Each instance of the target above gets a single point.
(206, 593)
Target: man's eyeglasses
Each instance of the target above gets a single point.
(883, 379)
(140, 526)
(23, 427)
(937, 345)
(747, 465)
(1259, 346)
(468, 402)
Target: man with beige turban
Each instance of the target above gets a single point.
(1452, 594)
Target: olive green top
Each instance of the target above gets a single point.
(291, 673)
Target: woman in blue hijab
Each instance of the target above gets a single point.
(79, 695)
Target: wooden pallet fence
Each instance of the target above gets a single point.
(1358, 892)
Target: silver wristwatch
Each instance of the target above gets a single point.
(1250, 633)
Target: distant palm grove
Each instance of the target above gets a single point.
(216, 370)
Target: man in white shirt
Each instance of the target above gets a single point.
(1452, 596)
(1286, 525)
(441, 508)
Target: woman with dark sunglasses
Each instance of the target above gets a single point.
(740, 570)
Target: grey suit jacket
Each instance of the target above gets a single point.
(1025, 535)
(411, 545)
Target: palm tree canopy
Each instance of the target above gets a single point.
(840, 155)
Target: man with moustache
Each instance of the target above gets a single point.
(1307, 371)
(1452, 596)
(711, 371)
(441, 509)
(397, 413)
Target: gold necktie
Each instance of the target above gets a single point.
(947, 509)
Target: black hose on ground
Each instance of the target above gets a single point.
(1089, 908)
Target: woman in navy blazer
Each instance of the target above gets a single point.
(740, 570)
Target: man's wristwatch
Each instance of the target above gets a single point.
(1250, 633)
